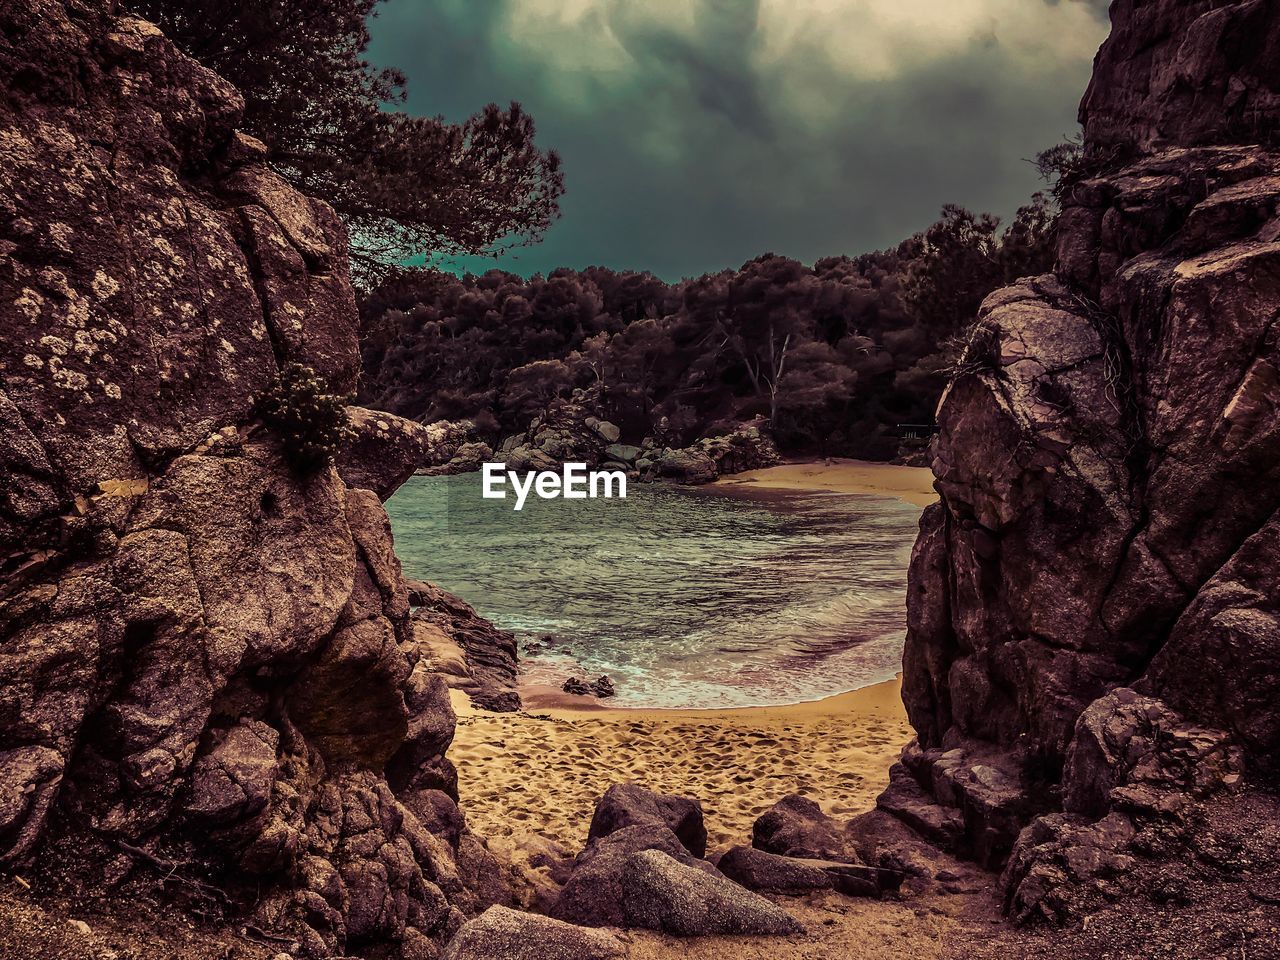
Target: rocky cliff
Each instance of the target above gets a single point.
(1094, 607)
(208, 678)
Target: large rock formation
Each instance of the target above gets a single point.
(1094, 606)
(207, 676)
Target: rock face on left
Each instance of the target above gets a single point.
(205, 659)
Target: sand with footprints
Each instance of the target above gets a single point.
(540, 772)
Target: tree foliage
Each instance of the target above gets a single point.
(310, 420)
(405, 185)
(835, 355)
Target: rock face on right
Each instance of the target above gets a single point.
(1093, 651)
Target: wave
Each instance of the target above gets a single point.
(683, 600)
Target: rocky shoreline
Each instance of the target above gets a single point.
(568, 432)
(1093, 631)
(472, 654)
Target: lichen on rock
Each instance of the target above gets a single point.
(208, 677)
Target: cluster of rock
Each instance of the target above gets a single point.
(1093, 655)
(468, 457)
(209, 680)
(569, 433)
(601, 687)
(645, 865)
(747, 447)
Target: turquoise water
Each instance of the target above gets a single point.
(684, 598)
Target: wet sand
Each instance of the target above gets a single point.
(540, 773)
(838, 475)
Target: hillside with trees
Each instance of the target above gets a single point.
(835, 355)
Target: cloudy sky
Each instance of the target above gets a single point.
(697, 134)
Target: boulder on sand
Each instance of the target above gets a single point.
(504, 934)
(664, 894)
(628, 804)
(758, 870)
(595, 891)
(795, 826)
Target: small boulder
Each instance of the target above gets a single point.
(602, 687)
(504, 934)
(758, 870)
(525, 458)
(628, 804)
(687, 466)
(594, 892)
(607, 432)
(663, 894)
(577, 687)
(795, 826)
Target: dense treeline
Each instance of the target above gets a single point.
(835, 355)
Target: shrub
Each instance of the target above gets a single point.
(309, 419)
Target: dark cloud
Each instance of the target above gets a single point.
(1101, 8)
(697, 137)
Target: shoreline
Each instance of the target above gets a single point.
(913, 485)
(546, 766)
(542, 698)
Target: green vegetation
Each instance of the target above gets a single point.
(309, 419)
(405, 185)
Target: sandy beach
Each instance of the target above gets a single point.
(529, 781)
(838, 475)
(541, 772)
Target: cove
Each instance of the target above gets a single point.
(683, 597)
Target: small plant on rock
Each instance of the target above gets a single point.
(310, 420)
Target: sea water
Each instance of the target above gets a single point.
(683, 597)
